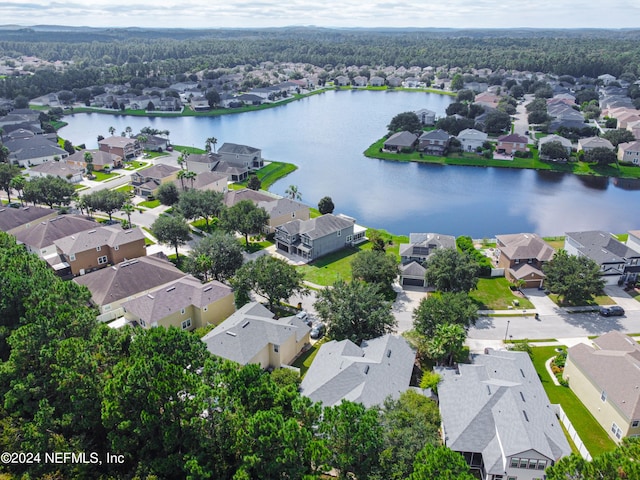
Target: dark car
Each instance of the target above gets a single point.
(614, 311)
(317, 331)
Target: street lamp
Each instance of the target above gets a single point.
(507, 331)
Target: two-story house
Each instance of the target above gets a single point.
(414, 254)
(186, 303)
(34, 150)
(40, 236)
(146, 182)
(629, 152)
(100, 159)
(241, 155)
(496, 413)
(605, 377)
(100, 247)
(522, 256)
(618, 262)
(313, 238)
(125, 148)
(508, 144)
(472, 139)
(434, 142)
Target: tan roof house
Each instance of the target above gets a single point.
(605, 376)
(511, 143)
(13, 220)
(146, 182)
(112, 286)
(400, 141)
(629, 152)
(126, 148)
(587, 144)
(253, 335)
(185, 303)
(66, 171)
(39, 237)
(100, 247)
(100, 159)
(522, 256)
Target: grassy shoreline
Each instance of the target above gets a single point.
(534, 163)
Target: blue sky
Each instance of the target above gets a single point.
(326, 13)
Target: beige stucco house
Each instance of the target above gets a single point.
(605, 377)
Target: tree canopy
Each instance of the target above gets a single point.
(576, 279)
(325, 205)
(49, 191)
(375, 267)
(448, 270)
(244, 217)
(216, 256)
(172, 230)
(408, 121)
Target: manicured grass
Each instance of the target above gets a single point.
(186, 149)
(103, 176)
(149, 204)
(555, 242)
(314, 212)
(303, 362)
(597, 300)
(125, 189)
(594, 437)
(148, 154)
(254, 246)
(393, 241)
(335, 266)
(494, 294)
(472, 159)
(272, 172)
(134, 165)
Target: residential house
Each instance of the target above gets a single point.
(618, 262)
(508, 144)
(205, 162)
(394, 81)
(629, 152)
(241, 155)
(522, 256)
(427, 117)
(487, 99)
(146, 182)
(634, 127)
(376, 81)
(39, 237)
(341, 81)
(34, 150)
(588, 144)
(61, 169)
(378, 369)
(125, 148)
(101, 160)
(250, 98)
(186, 303)
(233, 172)
(360, 81)
(100, 247)
(110, 287)
(199, 103)
(605, 377)
(313, 238)
(253, 335)
(412, 274)
(422, 245)
(434, 142)
(13, 220)
(633, 240)
(628, 117)
(565, 142)
(472, 139)
(496, 413)
(400, 141)
(154, 143)
(205, 181)
(606, 78)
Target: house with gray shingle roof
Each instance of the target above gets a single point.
(434, 142)
(496, 413)
(253, 335)
(146, 182)
(13, 220)
(472, 139)
(605, 376)
(368, 374)
(522, 256)
(39, 237)
(112, 286)
(66, 171)
(97, 248)
(241, 155)
(422, 245)
(426, 116)
(587, 144)
(186, 303)
(412, 274)
(618, 262)
(400, 141)
(33, 150)
(315, 237)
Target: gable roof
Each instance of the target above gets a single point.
(512, 138)
(234, 148)
(203, 180)
(317, 227)
(423, 244)
(368, 374)
(522, 246)
(472, 133)
(186, 291)
(89, 239)
(157, 171)
(595, 142)
(630, 146)
(438, 134)
(281, 206)
(401, 139)
(412, 269)
(565, 142)
(43, 234)
(613, 366)
(497, 406)
(117, 141)
(129, 278)
(601, 247)
(234, 196)
(245, 333)
(11, 218)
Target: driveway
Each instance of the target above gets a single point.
(622, 298)
(406, 301)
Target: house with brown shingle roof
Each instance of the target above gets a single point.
(112, 286)
(605, 376)
(400, 141)
(629, 152)
(100, 159)
(13, 220)
(97, 248)
(587, 144)
(511, 143)
(126, 148)
(522, 256)
(185, 303)
(38, 238)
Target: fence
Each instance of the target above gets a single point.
(572, 432)
(112, 315)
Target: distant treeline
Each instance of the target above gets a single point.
(116, 55)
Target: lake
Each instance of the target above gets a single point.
(325, 135)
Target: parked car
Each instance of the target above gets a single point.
(304, 316)
(318, 330)
(613, 311)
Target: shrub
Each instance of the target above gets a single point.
(430, 380)
(465, 244)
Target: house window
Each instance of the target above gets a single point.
(186, 324)
(349, 238)
(515, 462)
(603, 396)
(102, 260)
(512, 478)
(517, 261)
(98, 248)
(615, 429)
(542, 464)
(72, 257)
(523, 463)
(276, 348)
(533, 464)
(635, 423)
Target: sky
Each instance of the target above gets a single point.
(324, 13)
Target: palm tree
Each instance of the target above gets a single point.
(88, 160)
(128, 130)
(191, 176)
(182, 160)
(293, 193)
(112, 131)
(182, 174)
(211, 141)
(128, 208)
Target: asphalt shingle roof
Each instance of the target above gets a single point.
(89, 239)
(43, 234)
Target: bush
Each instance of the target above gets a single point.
(430, 380)
(519, 154)
(465, 244)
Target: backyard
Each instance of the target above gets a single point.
(495, 294)
(592, 434)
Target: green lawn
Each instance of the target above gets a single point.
(494, 294)
(125, 189)
(597, 300)
(134, 165)
(326, 270)
(103, 176)
(555, 242)
(272, 172)
(594, 437)
(254, 246)
(303, 362)
(149, 203)
(393, 241)
(186, 149)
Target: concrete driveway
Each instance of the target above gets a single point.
(406, 301)
(622, 298)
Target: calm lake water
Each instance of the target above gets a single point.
(325, 135)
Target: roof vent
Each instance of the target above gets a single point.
(389, 353)
(91, 231)
(208, 288)
(366, 370)
(170, 289)
(150, 296)
(230, 333)
(245, 324)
